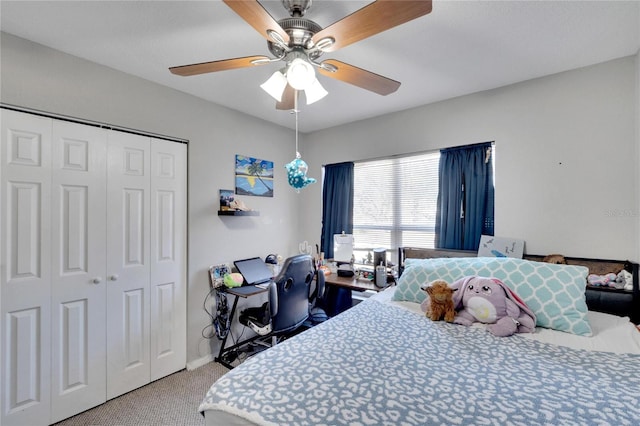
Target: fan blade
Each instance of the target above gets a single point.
(223, 65)
(372, 19)
(256, 16)
(361, 78)
(288, 99)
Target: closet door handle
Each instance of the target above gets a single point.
(114, 277)
(97, 280)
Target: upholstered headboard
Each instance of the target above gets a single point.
(601, 299)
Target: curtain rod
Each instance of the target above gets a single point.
(365, 160)
(91, 123)
(408, 154)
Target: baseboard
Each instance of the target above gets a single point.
(192, 365)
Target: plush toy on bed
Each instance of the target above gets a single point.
(439, 303)
(605, 280)
(557, 259)
(624, 279)
(490, 301)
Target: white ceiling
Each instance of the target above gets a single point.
(461, 47)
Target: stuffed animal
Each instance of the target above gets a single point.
(606, 280)
(439, 303)
(490, 301)
(557, 259)
(234, 279)
(297, 173)
(624, 279)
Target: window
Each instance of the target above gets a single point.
(395, 203)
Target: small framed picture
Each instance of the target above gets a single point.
(491, 246)
(217, 273)
(226, 198)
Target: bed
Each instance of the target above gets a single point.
(383, 362)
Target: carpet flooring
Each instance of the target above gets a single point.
(172, 400)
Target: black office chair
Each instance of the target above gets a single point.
(288, 305)
(318, 301)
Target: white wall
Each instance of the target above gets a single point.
(566, 162)
(40, 78)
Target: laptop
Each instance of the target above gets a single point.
(254, 271)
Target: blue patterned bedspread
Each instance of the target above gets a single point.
(381, 364)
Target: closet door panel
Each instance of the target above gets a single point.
(168, 257)
(128, 262)
(78, 206)
(92, 265)
(25, 272)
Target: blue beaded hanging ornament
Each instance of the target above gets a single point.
(297, 168)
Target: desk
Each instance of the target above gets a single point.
(238, 292)
(338, 292)
(351, 283)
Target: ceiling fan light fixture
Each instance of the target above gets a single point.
(315, 92)
(275, 85)
(300, 42)
(300, 74)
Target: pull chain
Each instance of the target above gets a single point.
(295, 111)
(297, 169)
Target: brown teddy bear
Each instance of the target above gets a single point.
(439, 301)
(557, 259)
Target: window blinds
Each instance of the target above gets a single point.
(395, 202)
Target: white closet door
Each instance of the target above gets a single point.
(128, 270)
(25, 273)
(78, 268)
(168, 257)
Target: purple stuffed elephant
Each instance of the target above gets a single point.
(490, 301)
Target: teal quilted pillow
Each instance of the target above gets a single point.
(555, 293)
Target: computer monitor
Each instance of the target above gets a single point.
(253, 270)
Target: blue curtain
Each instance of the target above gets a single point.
(337, 204)
(465, 208)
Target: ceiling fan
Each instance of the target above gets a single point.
(300, 42)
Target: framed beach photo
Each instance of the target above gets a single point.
(254, 176)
